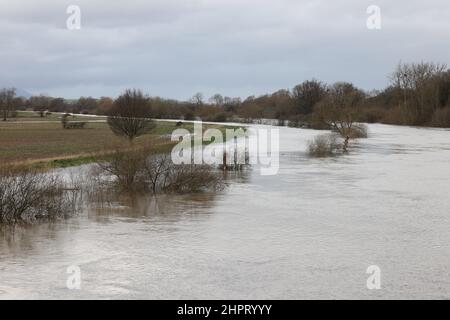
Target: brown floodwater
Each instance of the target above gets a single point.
(311, 231)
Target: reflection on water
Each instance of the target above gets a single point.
(309, 232)
(102, 207)
(149, 207)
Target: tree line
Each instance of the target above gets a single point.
(417, 94)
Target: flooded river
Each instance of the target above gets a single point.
(311, 231)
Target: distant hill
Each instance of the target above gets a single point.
(23, 93)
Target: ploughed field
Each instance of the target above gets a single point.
(43, 141)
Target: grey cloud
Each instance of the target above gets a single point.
(177, 47)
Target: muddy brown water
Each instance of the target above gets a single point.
(308, 232)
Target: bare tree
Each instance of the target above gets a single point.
(130, 115)
(7, 98)
(27, 195)
(420, 86)
(197, 99)
(157, 169)
(338, 109)
(217, 100)
(249, 111)
(40, 104)
(104, 105)
(307, 94)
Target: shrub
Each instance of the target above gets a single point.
(140, 170)
(357, 131)
(189, 115)
(441, 118)
(220, 117)
(324, 145)
(192, 178)
(372, 115)
(299, 121)
(400, 115)
(125, 166)
(317, 122)
(27, 195)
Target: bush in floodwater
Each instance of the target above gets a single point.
(27, 195)
(324, 145)
(126, 167)
(141, 170)
(192, 178)
(357, 131)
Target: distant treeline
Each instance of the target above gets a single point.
(418, 94)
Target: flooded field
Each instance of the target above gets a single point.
(311, 231)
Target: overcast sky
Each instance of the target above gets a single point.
(174, 48)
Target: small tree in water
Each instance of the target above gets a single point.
(130, 115)
(338, 111)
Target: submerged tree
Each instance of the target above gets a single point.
(130, 115)
(338, 110)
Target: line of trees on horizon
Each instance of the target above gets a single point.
(418, 94)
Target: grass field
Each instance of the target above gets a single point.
(43, 142)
